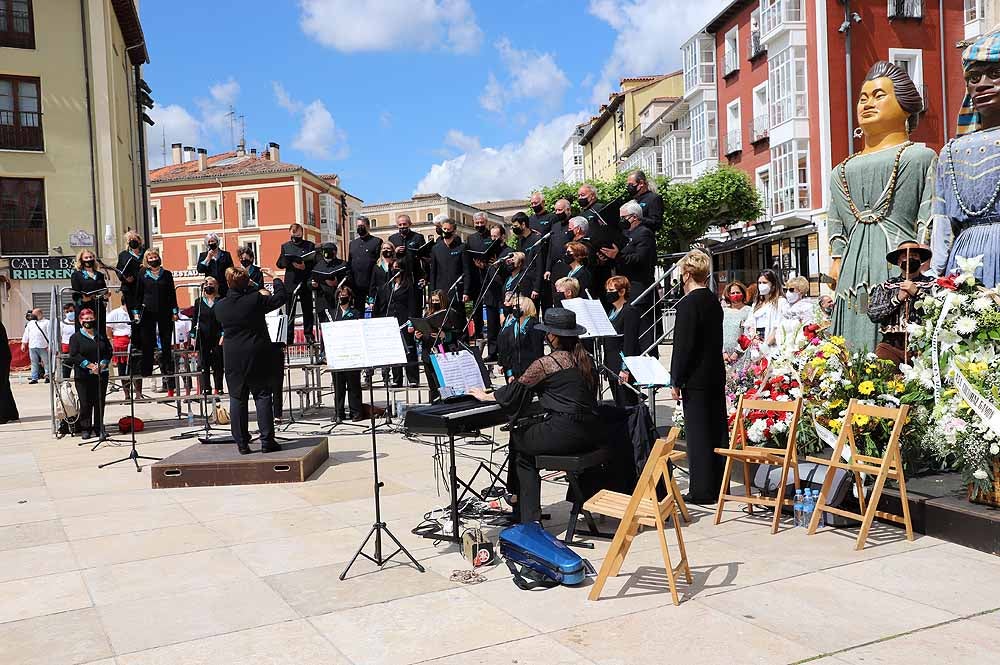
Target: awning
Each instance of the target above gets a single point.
(737, 244)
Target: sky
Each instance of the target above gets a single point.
(470, 99)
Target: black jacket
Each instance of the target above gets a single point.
(413, 242)
(326, 293)
(379, 290)
(129, 265)
(247, 352)
(216, 268)
(350, 314)
(402, 301)
(81, 283)
(626, 324)
(541, 223)
(582, 275)
(522, 286)
(294, 276)
(205, 329)
(84, 351)
(362, 255)
(696, 361)
(493, 279)
(557, 246)
(156, 297)
(473, 282)
(530, 246)
(447, 265)
(652, 210)
(637, 259)
(518, 347)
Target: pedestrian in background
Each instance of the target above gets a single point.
(35, 341)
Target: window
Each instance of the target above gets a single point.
(23, 228)
(704, 133)
(310, 209)
(253, 242)
(775, 13)
(911, 61)
(248, 210)
(734, 130)
(699, 63)
(430, 217)
(973, 10)
(787, 84)
(194, 248)
(764, 189)
(17, 25)
(328, 213)
(732, 51)
(154, 217)
(755, 47)
(203, 210)
(906, 8)
(20, 113)
(790, 184)
(760, 125)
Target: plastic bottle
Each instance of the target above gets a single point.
(807, 508)
(485, 319)
(797, 508)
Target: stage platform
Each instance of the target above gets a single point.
(213, 464)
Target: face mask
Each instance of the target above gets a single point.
(89, 263)
(913, 265)
(583, 202)
(448, 234)
(329, 256)
(246, 263)
(435, 304)
(517, 229)
(613, 295)
(155, 263)
(570, 258)
(632, 190)
(569, 235)
(828, 309)
(87, 324)
(296, 239)
(213, 245)
(344, 300)
(736, 297)
(561, 217)
(387, 255)
(764, 289)
(481, 230)
(134, 244)
(538, 209)
(792, 297)
(404, 231)
(624, 223)
(209, 290)
(71, 316)
(362, 231)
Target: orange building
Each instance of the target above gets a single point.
(245, 198)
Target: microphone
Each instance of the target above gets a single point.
(544, 237)
(457, 282)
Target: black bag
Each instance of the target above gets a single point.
(811, 476)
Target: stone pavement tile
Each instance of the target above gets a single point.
(538, 650)
(17, 510)
(270, 526)
(18, 481)
(315, 591)
(318, 494)
(931, 576)
(184, 495)
(272, 557)
(125, 521)
(31, 534)
(692, 634)
(249, 503)
(124, 547)
(112, 502)
(106, 661)
(17, 463)
(418, 628)
(179, 573)
(403, 530)
(68, 637)
(35, 561)
(955, 643)
(38, 596)
(87, 482)
(289, 643)
(968, 552)
(850, 614)
(335, 471)
(169, 619)
(361, 512)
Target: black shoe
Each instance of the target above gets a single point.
(243, 448)
(32, 381)
(46, 379)
(358, 416)
(270, 448)
(698, 502)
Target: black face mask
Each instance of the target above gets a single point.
(209, 290)
(134, 244)
(87, 324)
(570, 258)
(155, 263)
(246, 263)
(538, 209)
(569, 235)
(296, 239)
(448, 234)
(386, 255)
(404, 232)
(481, 230)
(632, 190)
(362, 231)
(343, 300)
(583, 202)
(913, 265)
(213, 245)
(561, 217)
(329, 256)
(624, 223)
(517, 229)
(89, 263)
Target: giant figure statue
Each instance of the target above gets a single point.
(966, 208)
(879, 197)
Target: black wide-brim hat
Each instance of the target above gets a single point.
(562, 322)
(922, 251)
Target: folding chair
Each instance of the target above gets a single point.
(739, 451)
(643, 508)
(890, 465)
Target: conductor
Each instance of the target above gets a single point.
(247, 355)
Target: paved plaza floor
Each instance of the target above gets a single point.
(96, 567)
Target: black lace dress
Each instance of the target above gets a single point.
(568, 404)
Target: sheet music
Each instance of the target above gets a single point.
(647, 371)
(363, 343)
(277, 326)
(456, 373)
(591, 315)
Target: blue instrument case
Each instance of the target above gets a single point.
(544, 559)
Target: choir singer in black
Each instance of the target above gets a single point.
(214, 262)
(248, 355)
(297, 258)
(90, 354)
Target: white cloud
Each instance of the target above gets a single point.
(385, 119)
(285, 100)
(319, 135)
(390, 25)
(510, 171)
(174, 124)
(207, 126)
(225, 93)
(461, 140)
(532, 75)
(650, 33)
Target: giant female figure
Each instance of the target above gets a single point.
(879, 197)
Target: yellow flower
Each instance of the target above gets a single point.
(866, 388)
(860, 420)
(838, 340)
(976, 369)
(835, 403)
(949, 392)
(818, 361)
(835, 425)
(830, 349)
(896, 386)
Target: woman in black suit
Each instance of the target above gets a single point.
(248, 355)
(699, 377)
(516, 282)
(90, 353)
(85, 280)
(625, 318)
(520, 342)
(347, 382)
(8, 407)
(156, 311)
(573, 264)
(207, 333)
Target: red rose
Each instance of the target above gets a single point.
(947, 282)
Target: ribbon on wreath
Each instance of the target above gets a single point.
(982, 407)
(936, 344)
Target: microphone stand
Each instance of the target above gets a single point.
(288, 363)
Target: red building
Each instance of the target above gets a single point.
(247, 199)
(787, 76)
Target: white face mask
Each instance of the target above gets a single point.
(792, 297)
(764, 289)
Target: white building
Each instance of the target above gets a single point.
(572, 169)
(701, 97)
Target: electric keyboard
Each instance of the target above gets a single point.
(457, 415)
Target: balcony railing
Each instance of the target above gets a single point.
(755, 48)
(778, 13)
(705, 150)
(760, 128)
(15, 28)
(732, 62)
(734, 141)
(21, 130)
(906, 9)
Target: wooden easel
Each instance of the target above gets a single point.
(739, 451)
(643, 509)
(890, 465)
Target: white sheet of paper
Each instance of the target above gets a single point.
(591, 315)
(457, 372)
(277, 327)
(647, 371)
(363, 343)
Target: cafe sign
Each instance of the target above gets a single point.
(41, 267)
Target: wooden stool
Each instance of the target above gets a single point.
(738, 450)
(890, 465)
(643, 508)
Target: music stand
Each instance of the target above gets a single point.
(369, 344)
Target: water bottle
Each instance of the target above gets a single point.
(815, 500)
(808, 505)
(797, 508)
(485, 319)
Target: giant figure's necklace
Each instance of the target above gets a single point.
(958, 196)
(878, 214)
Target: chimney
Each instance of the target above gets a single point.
(202, 159)
(175, 153)
(275, 151)
(188, 153)
(253, 152)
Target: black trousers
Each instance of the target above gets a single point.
(492, 331)
(349, 384)
(277, 382)
(559, 435)
(304, 300)
(705, 428)
(92, 398)
(210, 364)
(412, 367)
(155, 325)
(239, 414)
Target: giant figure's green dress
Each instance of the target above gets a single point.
(887, 215)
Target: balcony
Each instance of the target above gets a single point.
(648, 159)
(21, 130)
(16, 27)
(755, 47)
(760, 128)
(905, 9)
(780, 12)
(734, 141)
(732, 61)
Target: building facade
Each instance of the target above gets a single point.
(505, 208)
(422, 209)
(572, 168)
(245, 198)
(72, 174)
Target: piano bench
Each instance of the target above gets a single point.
(573, 466)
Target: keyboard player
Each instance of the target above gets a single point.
(565, 421)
